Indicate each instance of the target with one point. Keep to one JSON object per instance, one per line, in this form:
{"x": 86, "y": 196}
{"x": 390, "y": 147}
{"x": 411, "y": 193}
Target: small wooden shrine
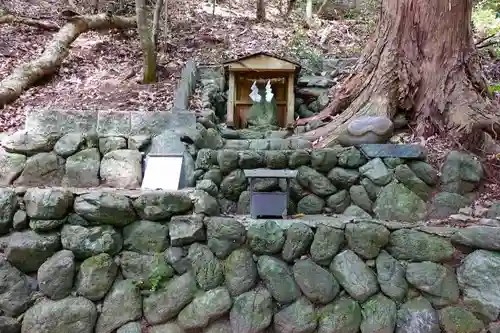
{"x": 261, "y": 69}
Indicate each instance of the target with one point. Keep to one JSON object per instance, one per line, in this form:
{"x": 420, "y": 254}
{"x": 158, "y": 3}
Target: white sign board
{"x": 162, "y": 172}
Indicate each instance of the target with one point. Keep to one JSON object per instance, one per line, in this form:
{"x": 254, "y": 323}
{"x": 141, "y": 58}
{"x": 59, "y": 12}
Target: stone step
{"x": 249, "y": 134}
{"x": 268, "y": 144}
{"x": 106, "y": 123}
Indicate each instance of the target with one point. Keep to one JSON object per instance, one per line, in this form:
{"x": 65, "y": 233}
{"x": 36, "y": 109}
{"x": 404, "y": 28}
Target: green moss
{"x": 319, "y": 315}
{"x": 370, "y": 306}
{"x": 459, "y": 320}
{"x": 98, "y": 261}
{"x": 150, "y": 244}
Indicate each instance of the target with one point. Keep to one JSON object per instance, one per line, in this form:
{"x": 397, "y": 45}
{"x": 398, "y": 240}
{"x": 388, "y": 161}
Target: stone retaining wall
{"x": 342, "y": 181}
{"x": 185, "y": 87}
{"x": 312, "y": 96}
{"x": 212, "y": 85}
{"x": 73, "y": 160}
{"x": 337, "y": 180}
{"x": 106, "y": 263}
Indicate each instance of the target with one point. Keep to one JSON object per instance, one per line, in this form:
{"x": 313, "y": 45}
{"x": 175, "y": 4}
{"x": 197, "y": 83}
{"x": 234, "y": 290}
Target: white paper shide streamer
{"x": 254, "y": 95}
{"x": 269, "y": 92}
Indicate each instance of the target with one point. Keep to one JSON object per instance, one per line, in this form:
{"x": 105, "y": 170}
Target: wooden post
{"x": 230, "y": 101}
{"x": 290, "y": 110}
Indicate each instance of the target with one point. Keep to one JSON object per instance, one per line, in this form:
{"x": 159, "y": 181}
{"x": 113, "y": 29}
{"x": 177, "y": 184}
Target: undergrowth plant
{"x": 495, "y": 89}
{"x": 486, "y": 17}
{"x": 309, "y": 57}
{"x": 160, "y": 274}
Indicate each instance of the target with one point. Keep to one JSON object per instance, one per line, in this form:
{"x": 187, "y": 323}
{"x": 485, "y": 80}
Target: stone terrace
{"x": 83, "y": 249}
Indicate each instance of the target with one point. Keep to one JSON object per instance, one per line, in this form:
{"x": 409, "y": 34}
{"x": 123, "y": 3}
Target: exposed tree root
{"x": 421, "y": 61}
{"x": 6, "y": 18}
{"x": 25, "y": 75}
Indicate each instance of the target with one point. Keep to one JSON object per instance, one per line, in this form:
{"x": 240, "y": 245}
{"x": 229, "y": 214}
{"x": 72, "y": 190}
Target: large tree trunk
{"x": 421, "y": 61}
{"x": 25, "y": 75}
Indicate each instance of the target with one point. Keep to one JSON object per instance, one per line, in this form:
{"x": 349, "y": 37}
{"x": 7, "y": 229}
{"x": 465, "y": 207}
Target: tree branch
{"x": 488, "y": 44}
{"x": 485, "y": 39}
{"x": 25, "y": 75}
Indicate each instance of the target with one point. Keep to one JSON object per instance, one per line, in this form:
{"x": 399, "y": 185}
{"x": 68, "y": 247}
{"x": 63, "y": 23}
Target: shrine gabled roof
{"x": 267, "y": 54}
{"x": 262, "y": 54}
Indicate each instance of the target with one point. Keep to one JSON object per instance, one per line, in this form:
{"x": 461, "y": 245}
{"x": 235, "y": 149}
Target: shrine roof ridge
{"x": 263, "y": 53}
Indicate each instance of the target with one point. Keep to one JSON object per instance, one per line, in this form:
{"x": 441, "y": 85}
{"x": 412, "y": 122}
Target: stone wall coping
{"x": 270, "y": 173}
{"x": 340, "y": 221}
{"x": 131, "y": 193}
{"x": 105, "y": 122}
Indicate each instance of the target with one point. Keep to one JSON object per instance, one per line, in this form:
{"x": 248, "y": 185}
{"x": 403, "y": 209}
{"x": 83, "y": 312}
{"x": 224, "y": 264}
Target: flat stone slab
{"x": 270, "y": 173}
{"x": 106, "y": 123}
{"x": 315, "y": 81}
{"x": 179, "y": 120}
{"x": 148, "y": 123}
{"x": 56, "y": 121}
{"x": 185, "y": 87}
{"x": 168, "y": 140}
{"x": 311, "y": 91}
{"x": 154, "y": 123}
{"x": 115, "y": 123}
{"x": 416, "y": 152}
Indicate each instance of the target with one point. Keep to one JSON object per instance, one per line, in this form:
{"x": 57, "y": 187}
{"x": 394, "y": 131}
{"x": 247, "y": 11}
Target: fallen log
{"x": 25, "y": 75}
{"x": 41, "y": 24}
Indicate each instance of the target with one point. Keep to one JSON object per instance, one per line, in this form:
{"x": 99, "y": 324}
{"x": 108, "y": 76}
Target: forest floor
{"x": 103, "y": 70}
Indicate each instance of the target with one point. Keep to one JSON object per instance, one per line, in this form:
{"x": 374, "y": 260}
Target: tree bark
{"x": 156, "y": 21}
{"x": 25, "y": 75}
{"x": 166, "y": 23}
{"x": 261, "y": 10}
{"x": 147, "y": 42}
{"x": 421, "y": 61}
{"x": 309, "y": 10}
{"x": 290, "y": 5}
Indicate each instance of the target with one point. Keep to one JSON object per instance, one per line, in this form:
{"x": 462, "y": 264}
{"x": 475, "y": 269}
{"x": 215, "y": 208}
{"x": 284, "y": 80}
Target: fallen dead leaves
{"x": 103, "y": 70}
